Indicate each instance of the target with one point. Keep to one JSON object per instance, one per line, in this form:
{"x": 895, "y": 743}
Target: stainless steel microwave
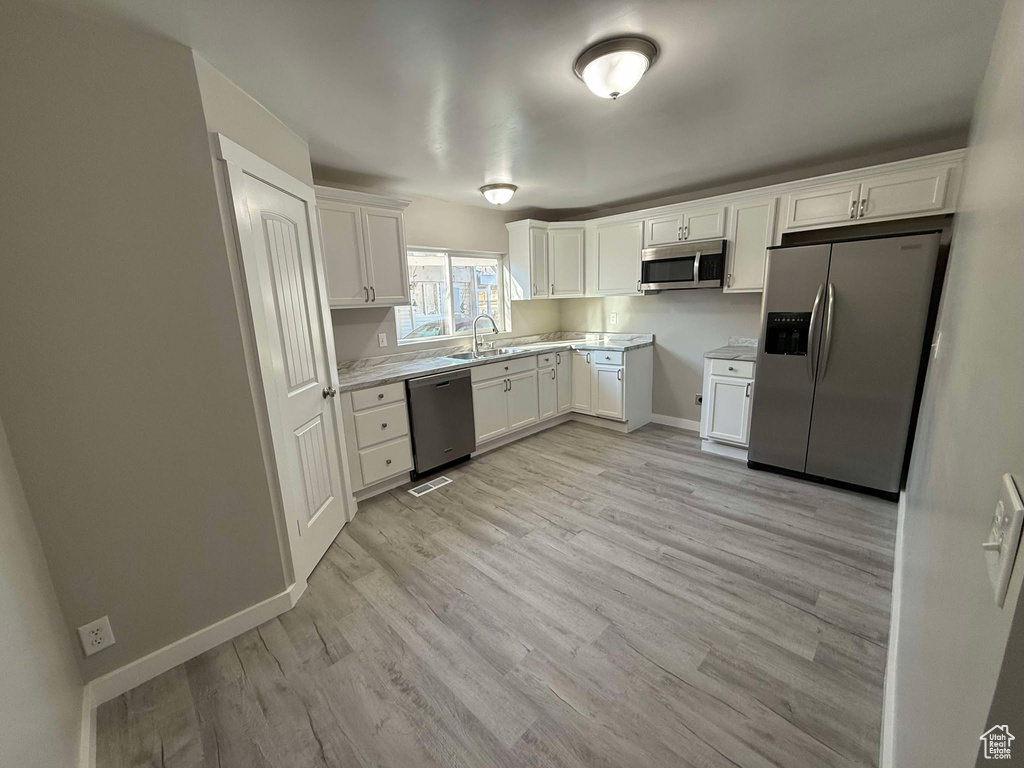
{"x": 697, "y": 264}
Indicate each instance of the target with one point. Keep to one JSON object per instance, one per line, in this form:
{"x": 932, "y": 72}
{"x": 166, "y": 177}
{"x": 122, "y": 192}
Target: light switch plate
{"x": 382, "y": 339}
{"x": 1004, "y": 537}
{"x": 614, "y": 319}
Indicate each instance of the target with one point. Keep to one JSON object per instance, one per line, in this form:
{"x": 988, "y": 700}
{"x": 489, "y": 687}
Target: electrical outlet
{"x": 382, "y": 339}
{"x": 698, "y": 399}
{"x": 614, "y": 318}
{"x": 96, "y": 635}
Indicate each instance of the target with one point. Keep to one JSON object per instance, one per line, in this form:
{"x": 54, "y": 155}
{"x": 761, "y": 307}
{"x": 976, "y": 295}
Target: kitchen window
{"x": 448, "y": 290}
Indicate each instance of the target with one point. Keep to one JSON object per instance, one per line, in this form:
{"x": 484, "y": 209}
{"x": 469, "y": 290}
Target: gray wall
{"x": 124, "y": 389}
{"x": 685, "y": 325}
{"x": 41, "y": 706}
{"x": 951, "y": 637}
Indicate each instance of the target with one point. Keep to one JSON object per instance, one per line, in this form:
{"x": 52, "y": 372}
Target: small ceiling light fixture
{"x": 614, "y": 67}
{"x": 498, "y": 194}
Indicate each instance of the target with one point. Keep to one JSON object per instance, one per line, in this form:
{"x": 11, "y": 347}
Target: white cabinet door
{"x": 900, "y": 194}
{"x": 751, "y": 228}
{"x": 664, "y": 229}
{"x": 341, "y": 235}
{"x": 582, "y": 397}
{"x": 729, "y": 409}
{"x": 565, "y": 257}
{"x": 618, "y": 257}
{"x": 563, "y": 370}
{"x": 387, "y": 261}
{"x": 704, "y": 224}
{"x": 608, "y": 391}
{"x": 547, "y": 392}
{"x": 539, "y": 263}
{"x": 521, "y": 400}
{"x": 822, "y": 205}
{"x": 489, "y": 410}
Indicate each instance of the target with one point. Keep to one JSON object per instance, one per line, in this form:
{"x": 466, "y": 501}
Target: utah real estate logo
{"x": 997, "y": 742}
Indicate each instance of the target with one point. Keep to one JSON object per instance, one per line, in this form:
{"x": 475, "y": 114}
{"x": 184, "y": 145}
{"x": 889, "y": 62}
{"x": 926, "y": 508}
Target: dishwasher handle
{"x": 438, "y": 379}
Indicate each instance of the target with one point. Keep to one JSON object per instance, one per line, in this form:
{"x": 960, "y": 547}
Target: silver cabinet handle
{"x": 366, "y": 294}
{"x": 373, "y": 294}
{"x": 552, "y": 374}
{"x": 679, "y": 236}
{"x": 812, "y": 333}
{"x": 618, "y": 374}
{"x": 329, "y": 392}
{"x": 552, "y": 293}
{"x": 863, "y": 207}
{"x": 384, "y": 425}
{"x": 728, "y": 280}
{"x": 686, "y": 232}
{"x": 829, "y": 313}
{"x": 749, "y": 383}
{"x": 853, "y": 208}
{"x": 638, "y": 286}
{"x": 558, "y": 358}
{"x": 588, "y": 357}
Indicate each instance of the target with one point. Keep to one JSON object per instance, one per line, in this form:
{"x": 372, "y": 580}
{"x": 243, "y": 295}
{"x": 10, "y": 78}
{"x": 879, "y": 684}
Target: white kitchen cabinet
{"x": 698, "y": 224}
{"x": 539, "y": 263}
{"x": 563, "y": 371}
{"x": 565, "y": 261}
{"x": 830, "y": 204}
{"x": 608, "y": 391}
{"x": 665, "y": 229}
{"x": 617, "y": 258}
{"x": 899, "y": 194}
{"x": 725, "y": 414}
{"x": 582, "y": 396}
{"x": 751, "y": 232}
{"x": 505, "y": 397}
{"x": 547, "y": 392}
{"x": 490, "y": 413}
{"x": 377, "y": 442}
{"x": 521, "y": 400}
{"x": 364, "y": 248}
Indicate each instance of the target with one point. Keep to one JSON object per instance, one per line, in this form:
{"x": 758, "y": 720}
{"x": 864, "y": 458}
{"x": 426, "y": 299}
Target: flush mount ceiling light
{"x": 498, "y": 194}
{"x": 614, "y": 67}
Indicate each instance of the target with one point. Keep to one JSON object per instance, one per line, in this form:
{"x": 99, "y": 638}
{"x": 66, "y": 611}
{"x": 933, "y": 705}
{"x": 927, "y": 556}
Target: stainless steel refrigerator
{"x": 843, "y": 331}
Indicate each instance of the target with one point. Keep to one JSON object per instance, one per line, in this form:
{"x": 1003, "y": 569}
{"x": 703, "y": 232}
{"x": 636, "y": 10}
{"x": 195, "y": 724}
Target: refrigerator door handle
{"x": 812, "y": 355}
{"x": 829, "y": 312}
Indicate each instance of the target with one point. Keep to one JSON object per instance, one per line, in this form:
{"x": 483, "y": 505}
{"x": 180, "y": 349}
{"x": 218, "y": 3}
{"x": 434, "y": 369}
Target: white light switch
{"x": 1004, "y": 537}
{"x": 614, "y": 318}
{"x": 382, "y": 339}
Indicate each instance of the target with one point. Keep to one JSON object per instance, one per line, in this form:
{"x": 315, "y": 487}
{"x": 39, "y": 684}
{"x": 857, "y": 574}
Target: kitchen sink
{"x": 484, "y": 353}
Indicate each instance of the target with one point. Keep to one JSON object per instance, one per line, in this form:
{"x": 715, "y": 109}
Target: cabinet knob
{"x": 387, "y": 461}
{"x": 380, "y": 396}
{"x": 506, "y": 367}
{"x": 731, "y": 368}
{"x": 384, "y": 425}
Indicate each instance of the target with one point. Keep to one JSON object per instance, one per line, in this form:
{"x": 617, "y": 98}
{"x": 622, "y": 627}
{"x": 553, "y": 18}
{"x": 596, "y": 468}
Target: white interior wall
{"x": 41, "y": 706}
{"x": 951, "y": 636}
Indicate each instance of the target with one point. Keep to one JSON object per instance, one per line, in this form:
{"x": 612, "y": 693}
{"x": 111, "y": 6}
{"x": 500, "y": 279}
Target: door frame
{"x": 237, "y": 162}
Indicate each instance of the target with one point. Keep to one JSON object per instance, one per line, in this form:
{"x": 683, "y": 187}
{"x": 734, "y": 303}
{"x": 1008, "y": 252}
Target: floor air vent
{"x": 433, "y": 485}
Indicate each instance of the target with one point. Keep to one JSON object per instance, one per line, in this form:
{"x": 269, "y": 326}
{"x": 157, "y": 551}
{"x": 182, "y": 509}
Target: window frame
{"x": 504, "y": 301}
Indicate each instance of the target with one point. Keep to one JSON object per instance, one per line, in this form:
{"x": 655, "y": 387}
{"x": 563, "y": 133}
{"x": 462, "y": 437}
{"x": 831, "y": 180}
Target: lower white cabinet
{"x": 608, "y": 391}
{"x": 563, "y": 371}
{"x": 521, "y": 400}
{"x": 582, "y": 396}
{"x": 490, "y": 412}
{"x": 725, "y": 416}
{"x": 547, "y": 392}
{"x": 505, "y": 398}
{"x": 377, "y": 446}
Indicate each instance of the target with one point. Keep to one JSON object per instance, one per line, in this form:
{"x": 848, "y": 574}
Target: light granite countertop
{"x": 738, "y": 348}
{"x": 377, "y": 371}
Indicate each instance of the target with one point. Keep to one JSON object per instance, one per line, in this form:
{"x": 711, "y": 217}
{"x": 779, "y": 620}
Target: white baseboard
{"x": 118, "y": 681}
{"x": 87, "y": 735}
{"x": 724, "y": 449}
{"x": 673, "y": 421}
{"x": 888, "y": 744}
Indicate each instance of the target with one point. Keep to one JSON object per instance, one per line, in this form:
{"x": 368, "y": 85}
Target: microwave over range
{"x": 696, "y": 264}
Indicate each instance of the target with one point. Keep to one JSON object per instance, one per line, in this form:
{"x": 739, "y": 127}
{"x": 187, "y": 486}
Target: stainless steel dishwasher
{"x": 441, "y": 415}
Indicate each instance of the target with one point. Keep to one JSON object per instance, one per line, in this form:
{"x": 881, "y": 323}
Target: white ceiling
{"x": 437, "y": 97}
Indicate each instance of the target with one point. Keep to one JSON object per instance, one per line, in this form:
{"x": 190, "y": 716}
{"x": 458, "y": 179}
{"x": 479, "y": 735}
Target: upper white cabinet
{"x": 617, "y": 258}
{"x": 877, "y": 196}
{"x": 704, "y": 223}
{"x": 751, "y": 231}
{"x": 364, "y": 248}
{"x": 546, "y": 261}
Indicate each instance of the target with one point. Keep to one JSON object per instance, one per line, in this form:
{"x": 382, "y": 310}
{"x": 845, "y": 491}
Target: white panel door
{"x": 618, "y": 257}
{"x": 565, "y": 255}
{"x": 563, "y": 370}
{"x": 704, "y": 224}
{"x": 547, "y": 392}
{"x": 489, "y": 411}
{"x": 608, "y": 391}
{"x": 386, "y": 257}
{"x": 582, "y": 395}
{"x": 341, "y": 232}
{"x": 729, "y": 409}
{"x": 664, "y": 229}
{"x": 822, "y": 205}
{"x": 539, "y": 263}
{"x": 899, "y": 194}
{"x": 287, "y": 290}
{"x": 523, "y": 408}
{"x": 751, "y": 229}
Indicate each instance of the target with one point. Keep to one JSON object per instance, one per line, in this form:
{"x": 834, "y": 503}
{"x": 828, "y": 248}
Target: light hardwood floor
{"x": 578, "y": 598}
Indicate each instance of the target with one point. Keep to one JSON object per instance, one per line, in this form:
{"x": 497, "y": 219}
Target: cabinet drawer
{"x": 546, "y": 360}
{"x": 743, "y": 369}
{"x": 503, "y": 368}
{"x": 368, "y": 398}
{"x": 379, "y": 424}
{"x": 606, "y": 357}
{"x": 385, "y": 460}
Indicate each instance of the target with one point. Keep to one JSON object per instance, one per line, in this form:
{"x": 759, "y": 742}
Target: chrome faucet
{"x": 476, "y": 343}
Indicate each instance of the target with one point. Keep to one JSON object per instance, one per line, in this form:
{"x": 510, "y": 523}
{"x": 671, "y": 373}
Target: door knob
{"x": 329, "y": 392}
